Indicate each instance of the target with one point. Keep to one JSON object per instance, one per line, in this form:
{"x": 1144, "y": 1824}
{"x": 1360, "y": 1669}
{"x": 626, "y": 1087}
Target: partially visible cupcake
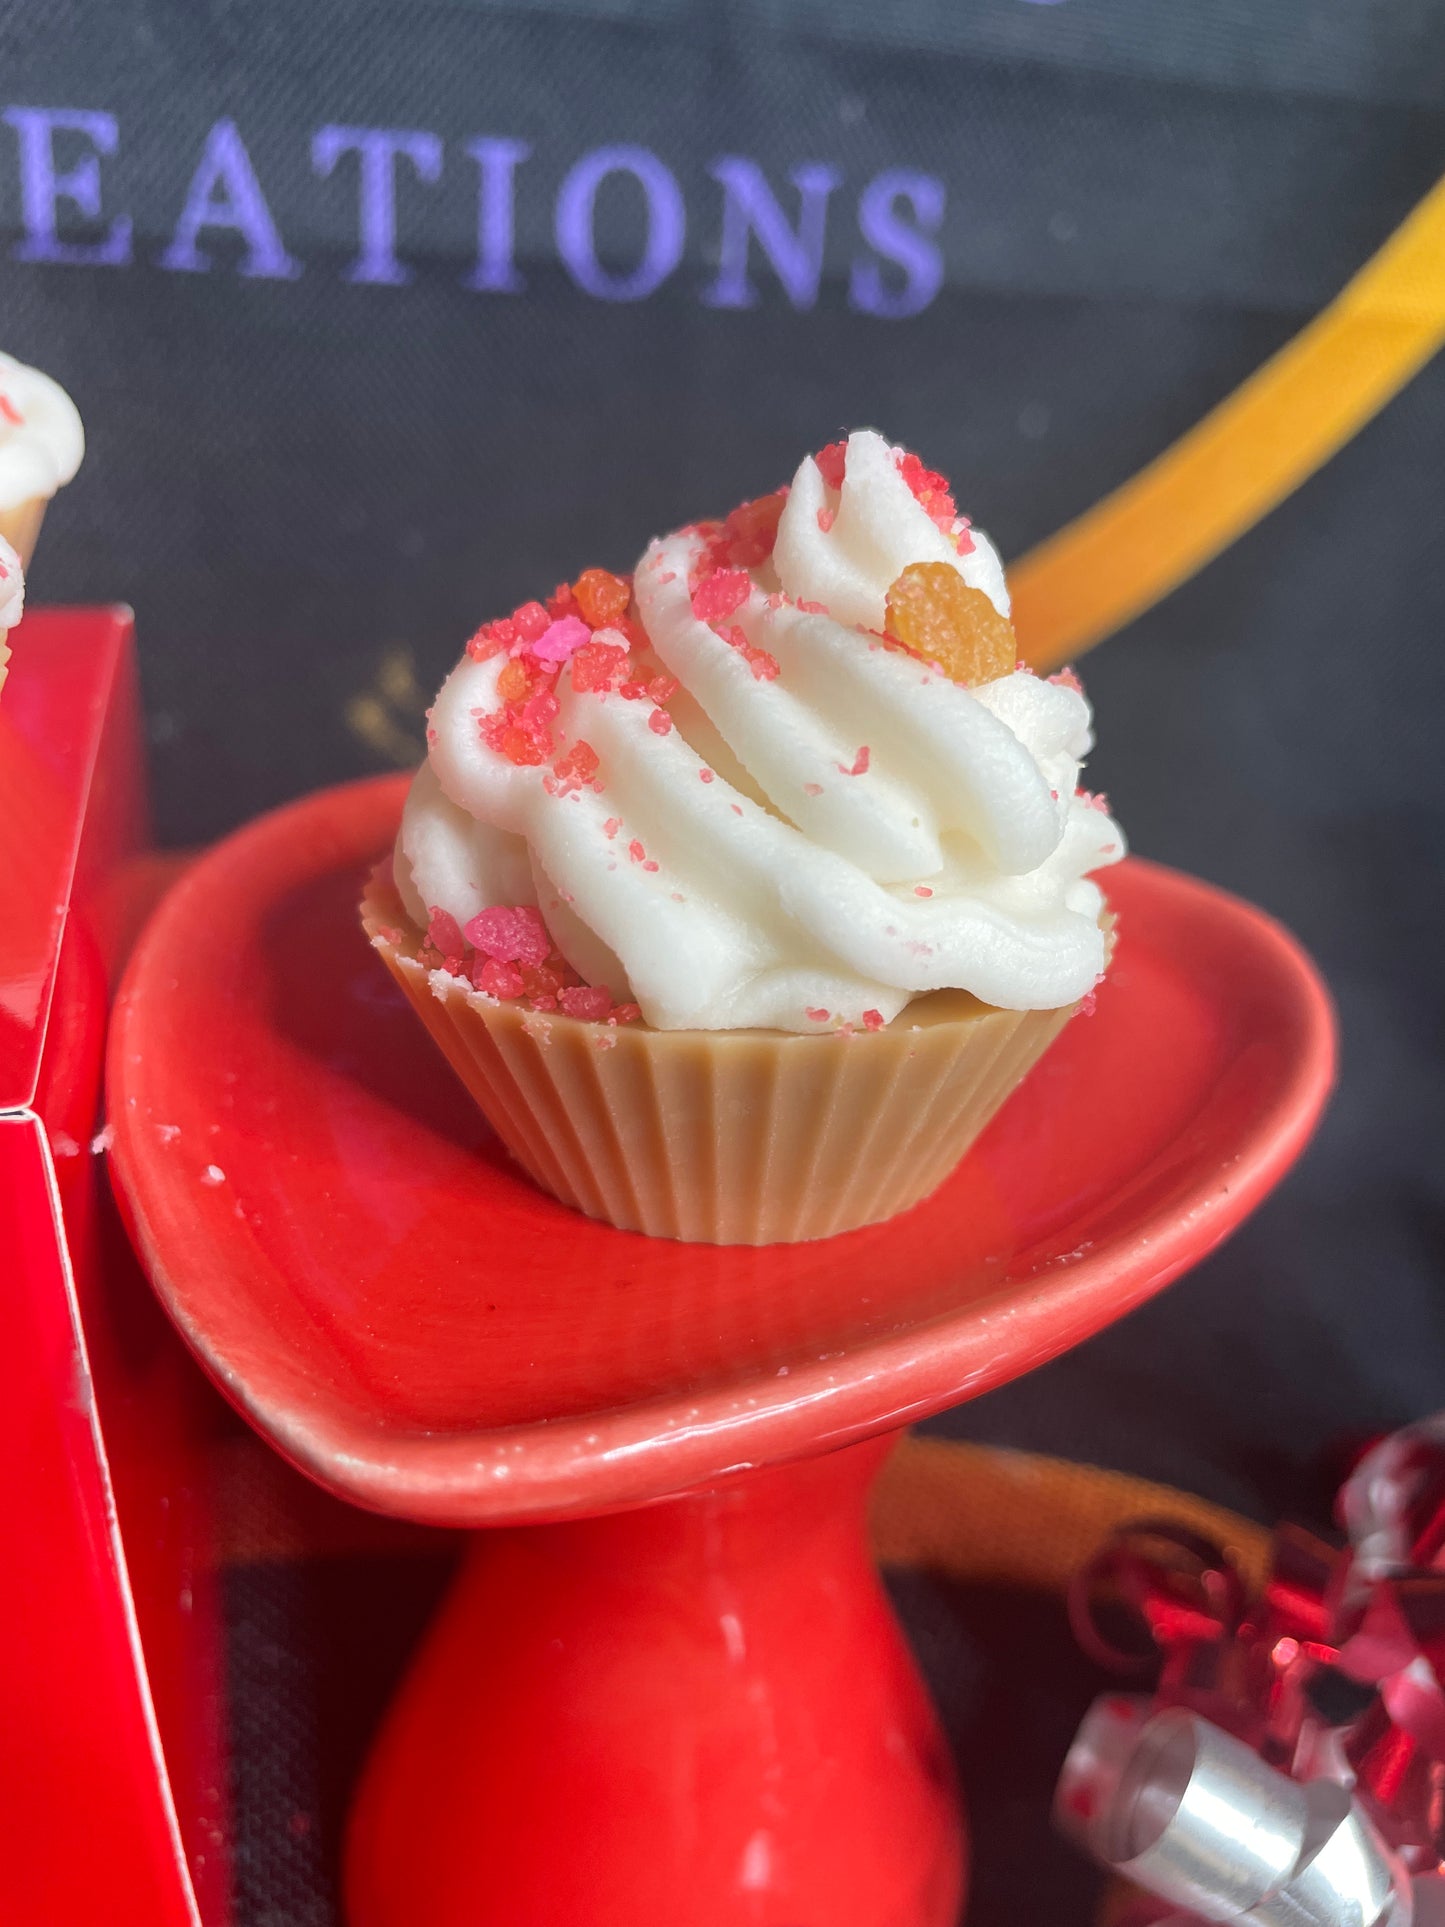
{"x": 742, "y": 892}
{"x": 12, "y": 601}
{"x": 41, "y": 445}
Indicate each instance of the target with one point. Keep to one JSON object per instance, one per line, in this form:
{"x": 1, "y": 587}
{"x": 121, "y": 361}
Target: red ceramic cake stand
{"x": 670, "y": 1693}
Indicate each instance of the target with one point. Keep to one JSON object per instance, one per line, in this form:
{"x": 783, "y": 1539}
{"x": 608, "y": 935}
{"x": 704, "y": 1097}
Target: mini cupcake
{"x": 741, "y": 893}
{"x": 41, "y": 445}
{"x": 12, "y": 601}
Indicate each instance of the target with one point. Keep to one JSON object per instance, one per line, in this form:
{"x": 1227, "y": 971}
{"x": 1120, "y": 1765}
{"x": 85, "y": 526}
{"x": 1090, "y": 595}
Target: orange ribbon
{"x": 1137, "y": 544}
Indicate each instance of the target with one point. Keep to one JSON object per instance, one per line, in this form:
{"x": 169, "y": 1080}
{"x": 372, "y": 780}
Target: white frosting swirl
{"x": 752, "y": 865}
{"x": 875, "y": 530}
{"x": 12, "y": 587}
{"x": 41, "y": 439}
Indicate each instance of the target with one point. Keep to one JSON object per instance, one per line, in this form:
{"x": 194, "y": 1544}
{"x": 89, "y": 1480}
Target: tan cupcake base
{"x": 20, "y": 526}
{"x": 724, "y": 1137}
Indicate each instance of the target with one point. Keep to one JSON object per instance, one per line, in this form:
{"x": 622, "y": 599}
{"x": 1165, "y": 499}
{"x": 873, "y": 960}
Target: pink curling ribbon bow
{"x": 1290, "y": 1767}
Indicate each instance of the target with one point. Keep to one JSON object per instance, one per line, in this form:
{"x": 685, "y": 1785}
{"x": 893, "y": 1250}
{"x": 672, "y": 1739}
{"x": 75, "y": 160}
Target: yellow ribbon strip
{"x": 1129, "y": 550}
{"x": 985, "y": 1516}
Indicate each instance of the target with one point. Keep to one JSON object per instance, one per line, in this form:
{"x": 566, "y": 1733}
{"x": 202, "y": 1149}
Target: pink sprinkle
{"x": 826, "y": 518}
{"x": 1093, "y": 801}
{"x": 816, "y": 1016}
{"x": 963, "y": 541}
{"x": 540, "y": 709}
{"x": 531, "y": 621}
{"x": 1088, "y": 1004}
{"x": 497, "y": 979}
{"x": 592, "y": 1002}
{"x": 445, "y": 933}
{"x": 636, "y": 851}
{"x": 612, "y": 826}
{"x": 667, "y": 575}
{"x": 650, "y": 865}
{"x": 812, "y": 789}
{"x": 720, "y": 593}
{"x": 811, "y": 608}
{"x": 737, "y": 809}
{"x": 860, "y": 763}
{"x": 705, "y": 775}
{"x": 11, "y": 413}
{"x": 922, "y": 890}
{"x": 1053, "y": 796}
{"x": 659, "y": 722}
{"x": 561, "y": 640}
{"x": 873, "y": 1020}
{"x": 1069, "y": 680}
{"x": 510, "y": 933}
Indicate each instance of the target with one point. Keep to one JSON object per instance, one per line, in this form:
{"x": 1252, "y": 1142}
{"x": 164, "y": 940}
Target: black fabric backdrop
{"x": 312, "y": 487}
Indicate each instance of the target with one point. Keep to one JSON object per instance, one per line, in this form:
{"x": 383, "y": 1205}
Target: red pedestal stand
{"x": 701, "y": 1710}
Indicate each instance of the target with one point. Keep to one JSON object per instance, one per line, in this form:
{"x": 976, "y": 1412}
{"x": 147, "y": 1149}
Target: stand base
{"x": 702, "y": 1712}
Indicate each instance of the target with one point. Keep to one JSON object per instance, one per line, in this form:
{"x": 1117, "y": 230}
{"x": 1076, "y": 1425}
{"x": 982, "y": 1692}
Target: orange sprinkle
{"x": 513, "y": 682}
{"x": 934, "y": 613}
{"x": 601, "y": 597}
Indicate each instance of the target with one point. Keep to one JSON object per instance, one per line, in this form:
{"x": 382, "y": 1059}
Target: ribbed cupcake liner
{"x": 20, "y": 526}
{"x": 724, "y": 1137}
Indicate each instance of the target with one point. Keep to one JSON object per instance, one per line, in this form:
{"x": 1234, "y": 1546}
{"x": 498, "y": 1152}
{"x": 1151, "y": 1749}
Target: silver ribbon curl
{"x": 1179, "y": 1807}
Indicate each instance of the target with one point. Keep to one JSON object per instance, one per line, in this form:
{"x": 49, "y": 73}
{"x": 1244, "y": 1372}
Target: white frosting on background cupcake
{"x": 814, "y": 826}
{"x": 41, "y": 438}
{"x": 12, "y": 587}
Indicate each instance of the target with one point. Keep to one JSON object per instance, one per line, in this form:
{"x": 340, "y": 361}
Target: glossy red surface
{"x": 78, "y": 1757}
{"x": 412, "y": 1322}
{"x": 69, "y": 807}
{"x": 87, "y": 1830}
{"x": 699, "y": 1712}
